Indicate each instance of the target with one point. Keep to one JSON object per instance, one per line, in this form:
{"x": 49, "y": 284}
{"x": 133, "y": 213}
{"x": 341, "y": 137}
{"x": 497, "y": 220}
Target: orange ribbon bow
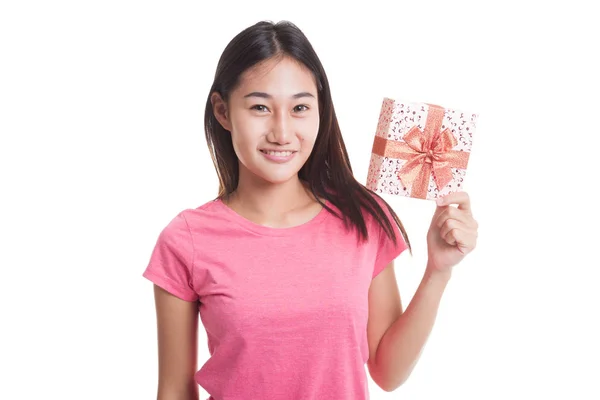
{"x": 425, "y": 151}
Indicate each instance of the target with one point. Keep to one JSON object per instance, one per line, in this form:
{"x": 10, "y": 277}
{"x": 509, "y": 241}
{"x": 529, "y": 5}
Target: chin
{"x": 275, "y": 175}
{"x": 271, "y": 172}
{"x": 277, "y": 179}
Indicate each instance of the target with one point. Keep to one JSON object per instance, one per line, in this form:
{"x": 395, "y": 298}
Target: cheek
{"x": 244, "y": 137}
{"x": 309, "y": 133}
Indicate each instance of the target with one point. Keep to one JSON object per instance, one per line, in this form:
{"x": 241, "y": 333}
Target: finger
{"x": 463, "y": 240}
{"x": 447, "y": 226}
{"x": 443, "y": 216}
{"x": 451, "y": 224}
{"x": 461, "y": 198}
{"x": 438, "y": 210}
{"x": 454, "y": 213}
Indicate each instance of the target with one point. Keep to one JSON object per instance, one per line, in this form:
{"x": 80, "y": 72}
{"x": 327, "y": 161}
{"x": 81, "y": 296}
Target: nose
{"x": 280, "y": 129}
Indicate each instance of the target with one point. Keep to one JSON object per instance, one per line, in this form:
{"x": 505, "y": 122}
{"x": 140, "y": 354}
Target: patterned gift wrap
{"x": 420, "y": 150}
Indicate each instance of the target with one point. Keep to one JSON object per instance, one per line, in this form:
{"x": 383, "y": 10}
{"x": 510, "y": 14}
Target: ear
{"x": 220, "y": 110}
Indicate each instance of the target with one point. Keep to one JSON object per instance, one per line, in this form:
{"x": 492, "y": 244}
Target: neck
{"x": 258, "y": 197}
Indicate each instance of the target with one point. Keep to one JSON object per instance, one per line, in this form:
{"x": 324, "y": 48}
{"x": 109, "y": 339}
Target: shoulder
{"x": 372, "y": 209}
{"x": 386, "y": 224}
{"x": 184, "y": 230}
{"x": 375, "y": 221}
{"x": 205, "y": 214}
{"x": 184, "y": 222}
{"x": 379, "y": 199}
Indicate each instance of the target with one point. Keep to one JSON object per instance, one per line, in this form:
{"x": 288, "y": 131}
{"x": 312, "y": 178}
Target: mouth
{"x": 278, "y": 156}
{"x": 273, "y": 153}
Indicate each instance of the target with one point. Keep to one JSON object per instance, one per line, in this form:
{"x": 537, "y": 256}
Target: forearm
{"x": 190, "y": 392}
{"x": 402, "y": 344}
{"x": 178, "y": 396}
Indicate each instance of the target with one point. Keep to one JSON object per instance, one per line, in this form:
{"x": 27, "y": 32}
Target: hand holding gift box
{"x": 420, "y": 150}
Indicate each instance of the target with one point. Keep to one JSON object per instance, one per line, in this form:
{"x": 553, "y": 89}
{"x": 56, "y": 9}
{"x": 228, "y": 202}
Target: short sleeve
{"x": 387, "y": 251}
{"x": 170, "y": 265}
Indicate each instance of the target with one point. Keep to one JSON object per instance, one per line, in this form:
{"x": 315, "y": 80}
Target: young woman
{"x": 291, "y": 267}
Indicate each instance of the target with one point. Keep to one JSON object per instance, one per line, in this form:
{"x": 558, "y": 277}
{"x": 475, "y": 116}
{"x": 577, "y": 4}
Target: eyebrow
{"x": 268, "y": 96}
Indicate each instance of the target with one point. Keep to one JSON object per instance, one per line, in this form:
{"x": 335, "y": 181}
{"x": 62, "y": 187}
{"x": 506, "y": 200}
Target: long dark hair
{"x": 327, "y": 171}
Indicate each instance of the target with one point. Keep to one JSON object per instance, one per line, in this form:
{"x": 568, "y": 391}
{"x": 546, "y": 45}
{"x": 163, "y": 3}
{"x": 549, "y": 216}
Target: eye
{"x": 258, "y": 105}
{"x": 302, "y": 105}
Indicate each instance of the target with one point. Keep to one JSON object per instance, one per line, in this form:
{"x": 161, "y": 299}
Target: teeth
{"x": 279, "y": 153}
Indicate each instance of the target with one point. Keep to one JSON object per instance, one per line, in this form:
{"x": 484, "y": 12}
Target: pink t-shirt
{"x": 285, "y": 310}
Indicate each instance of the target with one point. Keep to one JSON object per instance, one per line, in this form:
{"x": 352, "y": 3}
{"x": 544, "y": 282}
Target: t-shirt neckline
{"x": 271, "y": 231}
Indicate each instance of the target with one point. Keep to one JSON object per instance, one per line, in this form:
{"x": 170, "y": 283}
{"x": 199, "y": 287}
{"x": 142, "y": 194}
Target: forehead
{"x": 283, "y": 76}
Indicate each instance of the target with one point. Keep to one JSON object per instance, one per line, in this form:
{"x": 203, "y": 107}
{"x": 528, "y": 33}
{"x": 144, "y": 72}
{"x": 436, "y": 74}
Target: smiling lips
{"x": 278, "y": 156}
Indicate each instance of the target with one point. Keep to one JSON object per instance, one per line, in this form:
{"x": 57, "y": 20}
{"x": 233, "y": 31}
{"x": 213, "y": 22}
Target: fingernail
{"x": 440, "y": 201}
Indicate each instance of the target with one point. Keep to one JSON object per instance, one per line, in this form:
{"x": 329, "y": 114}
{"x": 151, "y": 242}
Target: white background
{"x": 101, "y": 117}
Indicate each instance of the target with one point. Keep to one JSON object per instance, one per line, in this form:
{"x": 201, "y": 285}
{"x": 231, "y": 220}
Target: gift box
{"x": 420, "y": 150}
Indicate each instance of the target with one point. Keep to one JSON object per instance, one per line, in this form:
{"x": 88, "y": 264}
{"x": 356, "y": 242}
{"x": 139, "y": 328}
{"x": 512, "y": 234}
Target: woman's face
{"x": 273, "y": 118}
